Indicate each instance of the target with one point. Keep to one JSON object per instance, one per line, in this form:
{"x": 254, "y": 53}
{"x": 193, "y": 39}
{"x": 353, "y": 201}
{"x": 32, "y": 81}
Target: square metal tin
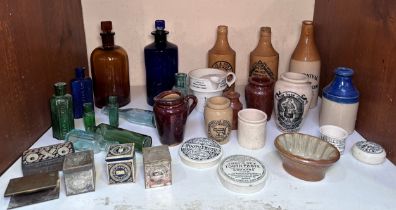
{"x": 157, "y": 166}
{"x": 121, "y": 163}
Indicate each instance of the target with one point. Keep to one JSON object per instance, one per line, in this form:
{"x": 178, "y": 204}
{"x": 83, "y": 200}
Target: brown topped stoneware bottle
{"x": 171, "y": 109}
{"x": 110, "y": 70}
{"x": 236, "y": 106}
{"x": 305, "y": 59}
{"x": 264, "y": 59}
{"x": 222, "y": 56}
{"x": 259, "y": 94}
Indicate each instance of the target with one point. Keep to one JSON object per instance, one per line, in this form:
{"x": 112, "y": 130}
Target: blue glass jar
{"x": 340, "y": 101}
{"x": 81, "y": 88}
{"x": 161, "y": 60}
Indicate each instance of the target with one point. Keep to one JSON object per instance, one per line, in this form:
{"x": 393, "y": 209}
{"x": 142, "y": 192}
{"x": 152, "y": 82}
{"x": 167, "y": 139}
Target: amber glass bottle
{"x": 110, "y": 70}
{"x": 264, "y": 59}
{"x": 222, "y": 56}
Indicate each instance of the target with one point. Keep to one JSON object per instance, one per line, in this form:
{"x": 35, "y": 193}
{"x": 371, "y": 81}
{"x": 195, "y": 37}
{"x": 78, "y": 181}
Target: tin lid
{"x": 157, "y": 153}
{"x": 78, "y": 161}
{"x": 369, "y": 152}
{"x": 200, "y": 152}
{"x": 32, "y": 183}
{"x": 47, "y": 153}
{"x": 118, "y": 152}
{"x": 242, "y": 174}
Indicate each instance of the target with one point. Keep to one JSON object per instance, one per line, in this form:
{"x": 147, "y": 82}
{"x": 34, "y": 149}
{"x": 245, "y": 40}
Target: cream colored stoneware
{"x": 202, "y": 96}
{"x": 218, "y": 119}
{"x": 335, "y": 136}
{"x": 292, "y": 96}
{"x": 341, "y": 115}
{"x": 252, "y": 128}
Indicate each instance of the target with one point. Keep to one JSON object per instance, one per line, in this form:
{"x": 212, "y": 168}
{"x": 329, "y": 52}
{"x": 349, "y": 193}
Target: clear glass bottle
{"x": 222, "y": 56}
{"x": 181, "y": 83}
{"x": 135, "y": 116}
{"x": 264, "y": 59}
{"x": 61, "y": 111}
{"x": 110, "y": 70}
{"x": 161, "y": 61}
{"x": 122, "y": 136}
{"x": 113, "y": 111}
{"x": 81, "y": 89}
{"x": 83, "y": 140}
{"x": 89, "y": 117}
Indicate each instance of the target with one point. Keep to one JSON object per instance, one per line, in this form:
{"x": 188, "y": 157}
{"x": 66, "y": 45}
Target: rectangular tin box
{"x": 45, "y": 159}
{"x": 32, "y": 189}
{"x": 121, "y": 163}
{"x": 157, "y": 166}
{"x": 79, "y": 172}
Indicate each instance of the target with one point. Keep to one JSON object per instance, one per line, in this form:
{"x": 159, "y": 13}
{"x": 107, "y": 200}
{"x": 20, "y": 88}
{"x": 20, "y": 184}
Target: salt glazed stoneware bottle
{"x": 292, "y": 96}
{"x": 171, "y": 109}
{"x": 236, "y": 106}
{"x": 264, "y": 59}
{"x": 340, "y": 101}
{"x": 259, "y": 94}
{"x": 161, "y": 62}
{"x": 110, "y": 69}
{"x": 218, "y": 119}
{"x": 305, "y": 58}
{"x": 222, "y": 56}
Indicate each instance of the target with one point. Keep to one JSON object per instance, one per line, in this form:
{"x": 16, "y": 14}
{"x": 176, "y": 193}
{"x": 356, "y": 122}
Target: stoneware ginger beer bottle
{"x": 264, "y": 59}
{"x": 222, "y": 56}
{"x": 305, "y": 59}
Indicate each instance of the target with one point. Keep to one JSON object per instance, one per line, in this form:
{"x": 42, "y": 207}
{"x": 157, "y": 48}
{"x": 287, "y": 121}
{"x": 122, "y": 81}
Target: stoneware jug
{"x": 259, "y": 94}
{"x": 171, "y": 109}
{"x": 218, "y": 119}
{"x": 292, "y": 97}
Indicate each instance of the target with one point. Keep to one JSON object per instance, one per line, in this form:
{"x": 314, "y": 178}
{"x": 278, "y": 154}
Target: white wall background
{"x": 192, "y": 25}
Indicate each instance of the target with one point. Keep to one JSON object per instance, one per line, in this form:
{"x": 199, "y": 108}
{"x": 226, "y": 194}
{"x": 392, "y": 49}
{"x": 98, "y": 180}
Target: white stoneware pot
{"x": 208, "y": 79}
{"x": 292, "y": 97}
{"x": 252, "y": 128}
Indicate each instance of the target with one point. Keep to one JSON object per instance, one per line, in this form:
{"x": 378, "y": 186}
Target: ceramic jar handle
{"x": 193, "y": 104}
{"x": 232, "y": 81}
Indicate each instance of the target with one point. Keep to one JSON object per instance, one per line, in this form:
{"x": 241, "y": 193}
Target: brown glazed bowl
{"x": 306, "y": 157}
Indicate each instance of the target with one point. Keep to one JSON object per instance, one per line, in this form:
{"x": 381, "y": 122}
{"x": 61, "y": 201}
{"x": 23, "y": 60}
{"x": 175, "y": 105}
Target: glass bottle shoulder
{"x": 116, "y": 51}
{"x": 162, "y": 46}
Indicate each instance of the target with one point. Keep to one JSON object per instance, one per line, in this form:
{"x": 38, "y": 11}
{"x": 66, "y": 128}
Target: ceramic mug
{"x": 252, "y": 128}
{"x": 334, "y": 135}
{"x": 203, "y": 96}
{"x": 209, "y": 79}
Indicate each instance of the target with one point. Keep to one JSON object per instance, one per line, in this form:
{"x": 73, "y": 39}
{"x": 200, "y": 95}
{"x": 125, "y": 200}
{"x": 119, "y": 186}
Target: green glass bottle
{"x": 181, "y": 83}
{"x": 61, "y": 111}
{"x": 123, "y": 136}
{"x": 113, "y": 111}
{"x": 89, "y": 117}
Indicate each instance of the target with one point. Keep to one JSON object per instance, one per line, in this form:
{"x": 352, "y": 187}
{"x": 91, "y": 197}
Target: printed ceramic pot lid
{"x": 200, "y": 152}
{"x": 369, "y": 152}
{"x": 242, "y": 174}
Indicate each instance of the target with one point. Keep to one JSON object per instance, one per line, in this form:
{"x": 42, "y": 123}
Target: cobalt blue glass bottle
{"x": 81, "y": 88}
{"x": 161, "y": 60}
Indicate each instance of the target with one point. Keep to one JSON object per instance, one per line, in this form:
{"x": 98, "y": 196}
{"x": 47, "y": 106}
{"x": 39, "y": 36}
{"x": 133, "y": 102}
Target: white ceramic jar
{"x": 251, "y": 128}
{"x": 292, "y": 97}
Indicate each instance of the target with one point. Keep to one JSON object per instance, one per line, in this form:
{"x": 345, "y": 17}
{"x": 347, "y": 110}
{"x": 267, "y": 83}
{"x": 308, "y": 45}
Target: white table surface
{"x": 349, "y": 184}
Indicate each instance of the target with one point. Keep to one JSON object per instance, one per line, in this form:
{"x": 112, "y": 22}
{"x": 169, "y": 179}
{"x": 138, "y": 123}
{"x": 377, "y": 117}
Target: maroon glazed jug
{"x": 236, "y": 106}
{"x": 259, "y": 94}
{"x": 171, "y": 109}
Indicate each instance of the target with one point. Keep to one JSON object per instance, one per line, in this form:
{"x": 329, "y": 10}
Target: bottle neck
{"x": 107, "y": 40}
{"x": 307, "y": 33}
{"x": 181, "y": 79}
{"x": 160, "y": 36}
{"x": 222, "y": 40}
{"x": 60, "y": 88}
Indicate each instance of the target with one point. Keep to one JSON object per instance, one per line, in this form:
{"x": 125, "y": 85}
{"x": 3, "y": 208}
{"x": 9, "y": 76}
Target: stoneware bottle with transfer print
{"x": 264, "y": 59}
{"x": 305, "y": 59}
{"x": 222, "y": 56}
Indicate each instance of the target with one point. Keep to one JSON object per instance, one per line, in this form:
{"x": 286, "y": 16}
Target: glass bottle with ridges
{"x": 113, "y": 111}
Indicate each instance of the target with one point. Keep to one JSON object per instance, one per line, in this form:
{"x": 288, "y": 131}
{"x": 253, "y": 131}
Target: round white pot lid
{"x": 369, "y": 152}
{"x": 242, "y": 174}
{"x": 200, "y": 152}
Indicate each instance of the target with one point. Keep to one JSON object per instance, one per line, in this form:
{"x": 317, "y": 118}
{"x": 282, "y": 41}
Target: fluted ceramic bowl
{"x": 306, "y": 157}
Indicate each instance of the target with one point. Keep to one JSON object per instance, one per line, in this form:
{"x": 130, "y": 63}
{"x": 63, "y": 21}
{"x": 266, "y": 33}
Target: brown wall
{"x": 41, "y": 42}
{"x": 361, "y": 34}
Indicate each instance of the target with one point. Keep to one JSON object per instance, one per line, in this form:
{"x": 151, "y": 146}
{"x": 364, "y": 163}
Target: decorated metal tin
{"x": 200, "y": 152}
{"x": 369, "y": 152}
{"x": 45, "y": 159}
{"x": 121, "y": 163}
{"x": 157, "y": 166}
{"x": 79, "y": 172}
{"x": 33, "y": 189}
{"x": 242, "y": 174}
